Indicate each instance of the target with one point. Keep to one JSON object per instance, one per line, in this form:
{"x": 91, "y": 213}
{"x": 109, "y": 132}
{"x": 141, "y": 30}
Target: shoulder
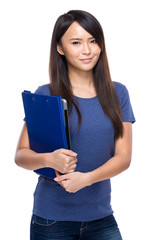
{"x": 125, "y": 103}
{"x": 44, "y": 89}
{"x": 122, "y": 93}
{"x": 119, "y": 87}
{"x": 121, "y": 90}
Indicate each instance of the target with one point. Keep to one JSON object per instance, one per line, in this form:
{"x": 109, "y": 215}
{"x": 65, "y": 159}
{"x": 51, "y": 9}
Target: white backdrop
{"x": 135, "y": 40}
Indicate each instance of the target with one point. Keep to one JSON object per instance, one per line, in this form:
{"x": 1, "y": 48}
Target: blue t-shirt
{"x": 94, "y": 144}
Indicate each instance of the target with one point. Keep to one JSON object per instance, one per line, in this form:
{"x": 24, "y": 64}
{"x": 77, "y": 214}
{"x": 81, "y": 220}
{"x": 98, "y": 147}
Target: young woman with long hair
{"x": 77, "y": 204}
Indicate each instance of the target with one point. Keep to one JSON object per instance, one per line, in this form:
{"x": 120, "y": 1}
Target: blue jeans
{"x": 101, "y": 229}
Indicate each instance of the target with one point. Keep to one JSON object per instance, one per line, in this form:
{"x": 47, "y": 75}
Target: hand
{"x": 62, "y": 160}
{"x": 73, "y": 182}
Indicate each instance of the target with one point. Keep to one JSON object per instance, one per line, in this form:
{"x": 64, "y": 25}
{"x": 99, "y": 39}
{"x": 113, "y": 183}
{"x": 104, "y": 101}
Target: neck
{"x": 82, "y": 84}
{"x": 81, "y": 79}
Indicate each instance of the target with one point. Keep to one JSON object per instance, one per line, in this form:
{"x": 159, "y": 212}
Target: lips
{"x": 86, "y": 60}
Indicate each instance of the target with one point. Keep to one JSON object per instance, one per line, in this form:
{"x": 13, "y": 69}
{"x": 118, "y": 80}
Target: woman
{"x": 76, "y": 205}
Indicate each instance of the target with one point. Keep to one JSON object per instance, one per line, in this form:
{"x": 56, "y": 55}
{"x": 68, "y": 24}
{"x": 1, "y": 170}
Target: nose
{"x": 86, "y": 49}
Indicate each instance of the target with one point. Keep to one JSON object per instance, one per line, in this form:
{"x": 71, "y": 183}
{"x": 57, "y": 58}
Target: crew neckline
{"x": 91, "y": 98}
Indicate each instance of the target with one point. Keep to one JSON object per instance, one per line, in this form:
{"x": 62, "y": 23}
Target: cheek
{"x": 70, "y": 54}
{"x": 97, "y": 52}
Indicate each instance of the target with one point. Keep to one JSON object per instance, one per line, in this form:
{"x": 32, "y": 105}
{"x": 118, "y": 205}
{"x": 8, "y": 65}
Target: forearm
{"x": 114, "y": 166}
{"x": 111, "y": 168}
{"x": 62, "y": 160}
{"x": 28, "y": 159}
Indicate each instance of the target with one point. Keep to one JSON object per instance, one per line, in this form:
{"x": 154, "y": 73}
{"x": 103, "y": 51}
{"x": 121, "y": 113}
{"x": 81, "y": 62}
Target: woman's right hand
{"x": 62, "y": 160}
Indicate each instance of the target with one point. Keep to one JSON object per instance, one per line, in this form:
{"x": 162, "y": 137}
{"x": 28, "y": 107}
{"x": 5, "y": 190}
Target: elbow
{"x": 127, "y": 162}
{"x": 17, "y": 158}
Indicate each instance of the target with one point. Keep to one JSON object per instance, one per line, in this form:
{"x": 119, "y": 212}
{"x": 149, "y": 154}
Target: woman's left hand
{"x": 73, "y": 182}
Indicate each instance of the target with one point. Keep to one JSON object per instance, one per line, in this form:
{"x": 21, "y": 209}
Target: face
{"x": 79, "y": 48}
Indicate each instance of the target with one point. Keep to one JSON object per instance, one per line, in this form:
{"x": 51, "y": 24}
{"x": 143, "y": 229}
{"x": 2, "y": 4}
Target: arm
{"x": 121, "y": 160}
{"x": 62, "y": 160}
{"x": 114, "y": 166}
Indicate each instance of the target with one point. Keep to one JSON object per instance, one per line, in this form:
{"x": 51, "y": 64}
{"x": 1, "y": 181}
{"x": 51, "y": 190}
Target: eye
{"x": 75, "y": 43}
{"x": 94, "y": 41}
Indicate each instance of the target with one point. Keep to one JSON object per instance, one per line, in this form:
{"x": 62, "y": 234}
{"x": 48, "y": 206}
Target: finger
{"x": 71, "y": 171}
{"x": 62, "y": 178}
{"x": 69, "y": 152}
{"x": 72, "y": 163}
{"x": 62, "y": 184}
{"x": 72, "y": 167}
{"x": 57, "y": 173}
{"x": 73, "y": 160}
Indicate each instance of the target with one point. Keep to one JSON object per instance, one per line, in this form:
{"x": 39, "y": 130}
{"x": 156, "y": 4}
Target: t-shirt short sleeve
{"x": 43, "y": 90}
{"x": 125, "y": 103}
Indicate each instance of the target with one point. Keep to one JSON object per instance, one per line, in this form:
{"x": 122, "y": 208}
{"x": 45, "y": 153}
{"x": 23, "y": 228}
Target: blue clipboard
{"x": 47, "y": 124}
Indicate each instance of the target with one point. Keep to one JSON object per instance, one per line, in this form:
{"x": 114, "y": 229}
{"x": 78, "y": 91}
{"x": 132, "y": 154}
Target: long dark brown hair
{"x": 59, "y": 81}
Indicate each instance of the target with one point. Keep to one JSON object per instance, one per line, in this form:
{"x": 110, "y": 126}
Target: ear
{"x": 59, "y": 49}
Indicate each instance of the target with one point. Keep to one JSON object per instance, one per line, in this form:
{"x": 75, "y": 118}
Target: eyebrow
{"x": 80, "y": 38}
